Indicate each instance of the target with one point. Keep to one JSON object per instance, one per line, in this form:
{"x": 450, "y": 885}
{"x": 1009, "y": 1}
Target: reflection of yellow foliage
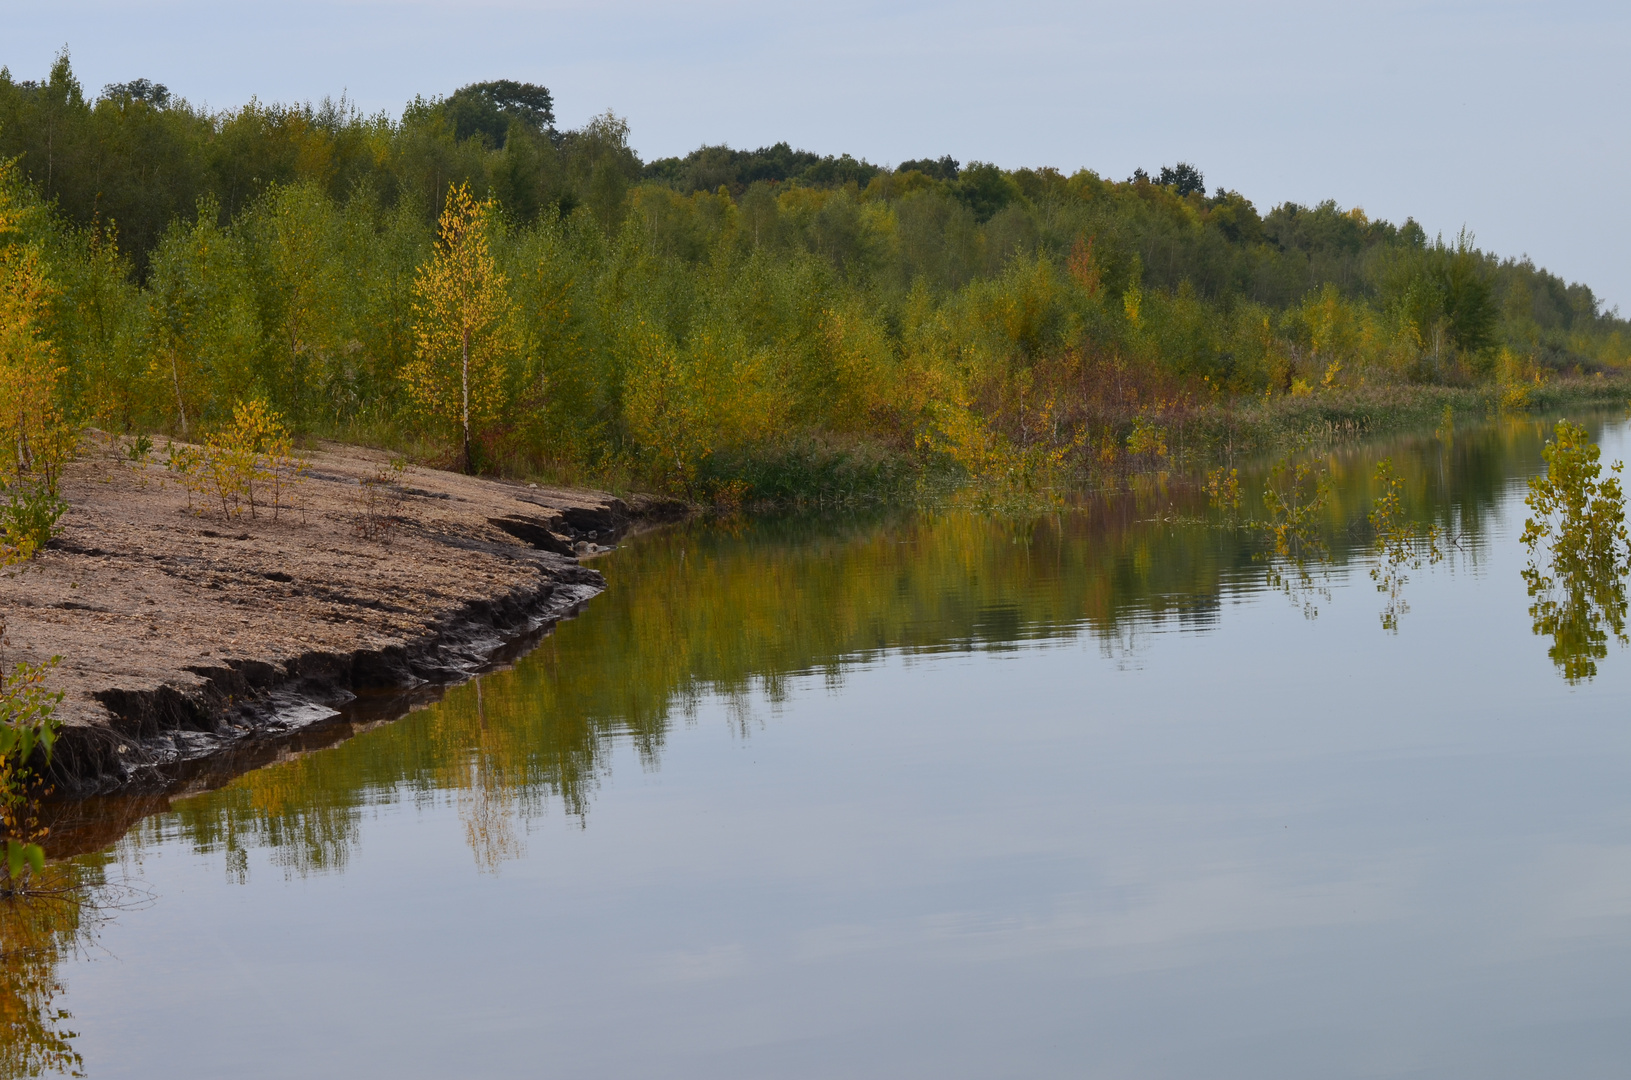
{"x": 740, "y": 613}
{"x": 1399, "y": 543}
{"x": 696, "y": 612}
{"x": 1296, "y": 496}
{"x": 37, "y": 933}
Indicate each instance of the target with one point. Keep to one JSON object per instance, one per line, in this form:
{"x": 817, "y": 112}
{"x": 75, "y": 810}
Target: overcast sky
{"x": 1506, "y": 117}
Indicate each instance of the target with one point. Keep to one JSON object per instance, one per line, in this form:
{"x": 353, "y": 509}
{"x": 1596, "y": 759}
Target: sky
{"x": 1506, "y": 118}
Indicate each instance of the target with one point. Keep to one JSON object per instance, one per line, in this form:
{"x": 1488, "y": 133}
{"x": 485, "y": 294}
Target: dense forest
{"x": 472, "y": 284}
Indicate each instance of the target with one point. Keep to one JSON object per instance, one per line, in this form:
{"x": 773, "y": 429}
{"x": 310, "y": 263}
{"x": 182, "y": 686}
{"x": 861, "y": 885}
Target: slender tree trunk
{"x": 294, "y": 355}
{"x": 464, "y": 378}
{"x": 181, "y": 408}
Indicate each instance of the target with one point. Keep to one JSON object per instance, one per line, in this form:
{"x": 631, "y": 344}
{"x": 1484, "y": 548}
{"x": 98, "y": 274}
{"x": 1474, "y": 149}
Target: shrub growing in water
{"x": 1579, "y": 552}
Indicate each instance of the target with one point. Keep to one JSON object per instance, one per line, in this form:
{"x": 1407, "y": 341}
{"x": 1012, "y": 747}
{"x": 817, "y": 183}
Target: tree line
{"x": 732, "y": 323}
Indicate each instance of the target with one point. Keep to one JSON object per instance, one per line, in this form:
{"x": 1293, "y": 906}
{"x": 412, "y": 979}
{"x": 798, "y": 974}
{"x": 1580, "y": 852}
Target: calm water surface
{"x": 941, "y": 795}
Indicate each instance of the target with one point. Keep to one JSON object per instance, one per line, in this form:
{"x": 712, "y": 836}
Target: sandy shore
{"x": 186, "y": 634}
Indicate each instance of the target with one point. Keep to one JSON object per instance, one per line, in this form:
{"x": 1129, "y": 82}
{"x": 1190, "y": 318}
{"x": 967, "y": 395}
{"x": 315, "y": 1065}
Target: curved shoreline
{"x": 186, "y": 636}
{"x": 155, "y": 730}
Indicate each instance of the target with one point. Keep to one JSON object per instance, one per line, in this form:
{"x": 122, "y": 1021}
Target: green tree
{"x": 294, "y": 241}
{"x": 1469, "y": 303}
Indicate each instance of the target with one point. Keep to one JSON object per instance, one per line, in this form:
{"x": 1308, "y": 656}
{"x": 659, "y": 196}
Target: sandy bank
{"x": 187, "y": 635}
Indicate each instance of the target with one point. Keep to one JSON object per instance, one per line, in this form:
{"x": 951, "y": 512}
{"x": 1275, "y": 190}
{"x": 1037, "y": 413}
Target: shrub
{"x": 256, "y": 448}
{"x": 1579, "y": 552}
{"x": 29, "y": 518}
{"x": 377, "y": 502}
{"x": 27, "y": 724}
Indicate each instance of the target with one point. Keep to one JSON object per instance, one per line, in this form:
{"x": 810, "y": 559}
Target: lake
{"x": 948, "y": 793}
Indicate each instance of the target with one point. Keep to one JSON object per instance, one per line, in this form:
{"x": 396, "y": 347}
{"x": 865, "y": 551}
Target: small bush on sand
{"x": 248, "y": 465}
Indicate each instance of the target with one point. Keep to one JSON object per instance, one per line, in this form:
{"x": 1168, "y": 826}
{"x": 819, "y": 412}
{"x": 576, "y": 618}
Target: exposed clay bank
{"x": 187, "y": 635}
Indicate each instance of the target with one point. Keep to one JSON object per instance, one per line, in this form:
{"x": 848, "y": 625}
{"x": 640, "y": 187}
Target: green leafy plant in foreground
{"x": 1579, "y": 552}
{"x": 27, "y": 725}
{"x": 29, "y": 518}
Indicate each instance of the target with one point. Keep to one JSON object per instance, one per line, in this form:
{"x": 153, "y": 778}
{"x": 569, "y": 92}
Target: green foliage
{"x": 30, "y": 516}
{"x": 1579, "y": 553}
{"x": 27, "y": 726}
{"x": 1183, "y": 178}
{"x": 489, "y": 108}
{"x": 711, "y": 167}
{"x": 702, "y": 322}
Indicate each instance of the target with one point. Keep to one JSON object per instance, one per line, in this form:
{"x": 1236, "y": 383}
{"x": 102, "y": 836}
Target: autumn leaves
{"x": 464, "y": 326}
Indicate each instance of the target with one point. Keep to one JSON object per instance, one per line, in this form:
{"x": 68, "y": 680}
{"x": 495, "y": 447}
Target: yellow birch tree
{"x": 464, "y": 329}
{"x": 29, "y": 370}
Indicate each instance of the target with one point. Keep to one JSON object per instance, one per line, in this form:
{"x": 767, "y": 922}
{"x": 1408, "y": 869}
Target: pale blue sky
{"x": 1503, "y": 116}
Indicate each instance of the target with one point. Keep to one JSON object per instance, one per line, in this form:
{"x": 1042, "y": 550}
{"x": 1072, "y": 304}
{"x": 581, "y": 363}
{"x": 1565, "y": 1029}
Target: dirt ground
{"x": 183, "y": 630}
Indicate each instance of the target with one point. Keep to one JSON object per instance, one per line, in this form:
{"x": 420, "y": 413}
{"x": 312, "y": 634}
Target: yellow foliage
{"x": 739, "y": 393}
{"x": 858, "y": 361}
{"x": 1132, "y": 303}
{"x": 35, "y": 436}
{"x": 665, "y": 417}
{"x": 1084, "y": 267}
{"x": 1223, "y": 489}
{"x": 255, "y": 448}
{"x": 1147, "y": 438}
{"x": 1516, "y": 379}
{"x": 1008, "y": 468}
{"x": 464, "y": 331}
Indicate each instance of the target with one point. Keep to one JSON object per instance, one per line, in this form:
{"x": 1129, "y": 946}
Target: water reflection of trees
{"x": 702, "y": 613}
{"x": 40, "y": 929}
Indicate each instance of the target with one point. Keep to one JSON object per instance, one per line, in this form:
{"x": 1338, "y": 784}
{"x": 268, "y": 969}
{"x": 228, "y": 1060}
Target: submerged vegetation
{"x": 469, "y": 283}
